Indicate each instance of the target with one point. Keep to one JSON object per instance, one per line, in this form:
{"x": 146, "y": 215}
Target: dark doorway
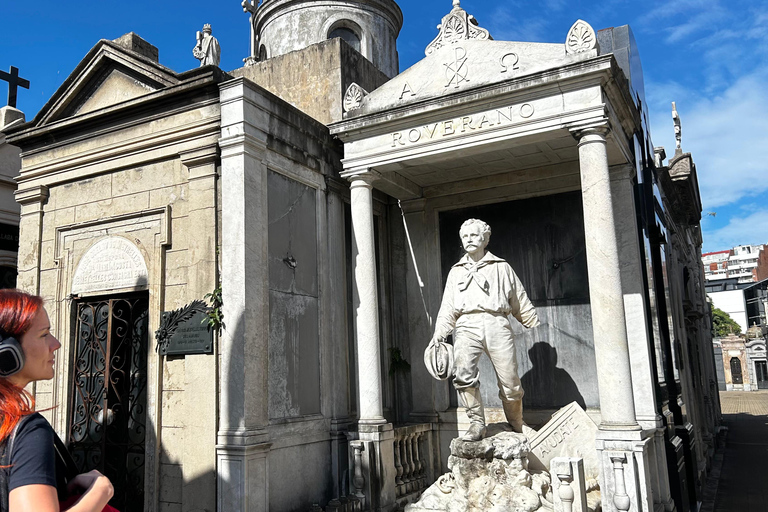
{"x": 7, "y": 276}
{"x": 736, "y": 376}
{"x": 761, "y": 369}
{"x": 109, "y": 393}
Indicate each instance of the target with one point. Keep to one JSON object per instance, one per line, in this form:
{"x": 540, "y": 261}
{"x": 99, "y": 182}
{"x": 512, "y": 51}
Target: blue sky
{"x": 709, "y": 56}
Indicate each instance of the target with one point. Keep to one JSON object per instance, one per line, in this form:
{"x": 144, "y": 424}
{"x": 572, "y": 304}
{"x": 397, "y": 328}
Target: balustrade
{"x": 410, "y": 445}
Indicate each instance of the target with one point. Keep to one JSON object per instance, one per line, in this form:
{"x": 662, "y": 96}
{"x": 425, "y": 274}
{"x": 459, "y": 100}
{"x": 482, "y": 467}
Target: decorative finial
{"x": 353, "y": 98}
{"x": 457, "y": 26}
{"x": 581, "y": 38}
{"x": 678, "y": 128}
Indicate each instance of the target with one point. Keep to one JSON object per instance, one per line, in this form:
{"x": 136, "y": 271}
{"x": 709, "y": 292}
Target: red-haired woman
{"x": 27, "y": 350}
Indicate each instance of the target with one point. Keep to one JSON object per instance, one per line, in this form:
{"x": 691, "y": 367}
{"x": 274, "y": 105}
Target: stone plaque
{"x": 111, "y": 263}
{"x": 570, "y": 433}
{"x": 185, "y": 331}
{"x": 191, "y": 337}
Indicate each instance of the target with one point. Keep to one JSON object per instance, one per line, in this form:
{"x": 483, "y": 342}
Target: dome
{"x": 369, "y": 26}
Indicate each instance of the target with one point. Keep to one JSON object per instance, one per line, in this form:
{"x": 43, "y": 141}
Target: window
{"x": 348, "y": 35}
{"x": 262, "y": 53}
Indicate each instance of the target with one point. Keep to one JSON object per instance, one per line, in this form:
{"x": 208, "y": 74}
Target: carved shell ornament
{"x": 457, "y": 26}
{"x": 581, "y": 38}
{"x": 353, "y": 98}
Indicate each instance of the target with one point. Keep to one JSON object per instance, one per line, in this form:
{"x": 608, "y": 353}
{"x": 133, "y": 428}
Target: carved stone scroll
{"x": 353, "y": 98}
{"x": 457, "y": 26}
{"x": 581, "y": 38}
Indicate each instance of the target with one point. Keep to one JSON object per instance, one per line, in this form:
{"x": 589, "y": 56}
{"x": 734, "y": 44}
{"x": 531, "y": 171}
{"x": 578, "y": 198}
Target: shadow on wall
{"x": 545, "y": 383}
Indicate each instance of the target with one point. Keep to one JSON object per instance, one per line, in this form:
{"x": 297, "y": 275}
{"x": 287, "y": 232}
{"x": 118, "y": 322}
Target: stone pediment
{"x": 464, "y": 56}
{"x": 108, "y": 75}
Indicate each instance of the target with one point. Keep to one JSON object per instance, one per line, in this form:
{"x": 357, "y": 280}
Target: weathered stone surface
{"x": 111, "y": 263}
{"x": 488, "y": 475}
{"x": 315, "y": 80}
{"x": 282, "y": 27}
{"x": 570, "y": 433}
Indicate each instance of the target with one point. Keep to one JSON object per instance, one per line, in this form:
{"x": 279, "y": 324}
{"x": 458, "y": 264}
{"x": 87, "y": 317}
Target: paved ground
{"x": 743, "y": 482}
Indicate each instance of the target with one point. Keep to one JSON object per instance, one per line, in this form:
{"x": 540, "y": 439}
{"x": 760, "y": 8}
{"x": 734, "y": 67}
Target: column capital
{"x": 622, "y": 172}
{"x": 32, "y": 195}
{"x": 364, "y": 177}
{"x": 200, "y": 156}
{"x": 596, "y": 132}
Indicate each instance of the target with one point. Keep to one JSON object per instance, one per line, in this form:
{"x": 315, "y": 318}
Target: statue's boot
{"x": 513, "y": 410}
{"x": 475, "y": 412}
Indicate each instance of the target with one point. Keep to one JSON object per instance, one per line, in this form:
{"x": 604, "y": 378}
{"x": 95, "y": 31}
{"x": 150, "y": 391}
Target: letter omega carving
{"x": 509, "y": 61}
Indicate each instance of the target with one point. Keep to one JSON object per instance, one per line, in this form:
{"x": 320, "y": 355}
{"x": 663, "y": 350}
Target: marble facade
{"x": 321, "y": 199}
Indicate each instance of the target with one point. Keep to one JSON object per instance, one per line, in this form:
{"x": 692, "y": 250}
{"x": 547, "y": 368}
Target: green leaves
{"x": 215, "y": 314}
{"x": 723, "y": 323}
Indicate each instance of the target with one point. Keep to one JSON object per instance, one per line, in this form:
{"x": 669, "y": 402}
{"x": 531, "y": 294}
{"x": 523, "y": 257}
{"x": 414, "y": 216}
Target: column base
{"x": 378, "y": 466}
{"x": 243, "y": 471}
{"x": 625, "y": 477}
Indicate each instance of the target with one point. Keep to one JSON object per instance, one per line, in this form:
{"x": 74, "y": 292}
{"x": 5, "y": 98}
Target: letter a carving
{"x": 407, "y": 89}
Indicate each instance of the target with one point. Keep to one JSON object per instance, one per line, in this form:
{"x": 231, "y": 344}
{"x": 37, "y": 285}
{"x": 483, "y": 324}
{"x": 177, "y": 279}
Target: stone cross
{"x": 14, "y": 82}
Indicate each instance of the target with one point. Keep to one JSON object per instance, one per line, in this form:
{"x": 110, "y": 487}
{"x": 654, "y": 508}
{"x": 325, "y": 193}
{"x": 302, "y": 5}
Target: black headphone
{"x": 11, "y": 356}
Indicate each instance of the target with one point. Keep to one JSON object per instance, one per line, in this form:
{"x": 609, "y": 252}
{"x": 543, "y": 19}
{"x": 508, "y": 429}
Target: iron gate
{"x": 736, "y": 376}
{"x": 109, "y": 394}
{"x": 761, "y": 368}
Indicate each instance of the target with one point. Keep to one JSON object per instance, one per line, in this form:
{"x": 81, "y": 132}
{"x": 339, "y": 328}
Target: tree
{"x": 723, "y": 323}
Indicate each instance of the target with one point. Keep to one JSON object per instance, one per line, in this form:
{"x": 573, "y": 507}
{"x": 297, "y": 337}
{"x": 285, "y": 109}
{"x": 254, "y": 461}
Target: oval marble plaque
{"x": 112, "y": 263}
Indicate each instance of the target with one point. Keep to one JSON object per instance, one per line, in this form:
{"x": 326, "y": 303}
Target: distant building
{"x": 746, "y": 303}
{"x": 744, "y": 361}
{"x": 715, "y": 265}
{"x": 747, "y": 263}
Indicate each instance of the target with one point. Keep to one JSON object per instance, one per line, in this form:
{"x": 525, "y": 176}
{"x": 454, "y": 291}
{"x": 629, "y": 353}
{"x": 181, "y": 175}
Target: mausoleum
{"x": 320, "y": 193}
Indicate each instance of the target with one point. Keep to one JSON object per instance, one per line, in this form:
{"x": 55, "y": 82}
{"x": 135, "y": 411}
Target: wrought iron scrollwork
{"x": 108, "y": 422}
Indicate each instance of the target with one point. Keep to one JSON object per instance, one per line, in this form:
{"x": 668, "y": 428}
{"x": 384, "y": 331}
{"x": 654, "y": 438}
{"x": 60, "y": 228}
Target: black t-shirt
{"x": 33, "y": 460}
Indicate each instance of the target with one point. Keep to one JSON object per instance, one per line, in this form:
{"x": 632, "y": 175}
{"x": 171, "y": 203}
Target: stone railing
{"x": 411, "y": 447}
{"x": 569, "y": 485}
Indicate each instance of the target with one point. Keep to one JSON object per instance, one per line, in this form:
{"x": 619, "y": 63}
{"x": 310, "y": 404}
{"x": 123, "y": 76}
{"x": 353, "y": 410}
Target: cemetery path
{"x": 744, "y": 473}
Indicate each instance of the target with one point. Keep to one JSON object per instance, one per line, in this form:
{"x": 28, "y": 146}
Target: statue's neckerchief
{"x": 472, "y": 274}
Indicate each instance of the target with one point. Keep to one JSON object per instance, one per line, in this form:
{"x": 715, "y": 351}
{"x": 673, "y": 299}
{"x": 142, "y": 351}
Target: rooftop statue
{"x": 678, "y": 127}
{"x": 481, "y": 292}
{"x": 207, "y": 50}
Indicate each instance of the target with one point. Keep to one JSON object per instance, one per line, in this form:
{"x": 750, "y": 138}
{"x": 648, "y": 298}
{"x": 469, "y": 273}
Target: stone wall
{"x": 315, "y": 79}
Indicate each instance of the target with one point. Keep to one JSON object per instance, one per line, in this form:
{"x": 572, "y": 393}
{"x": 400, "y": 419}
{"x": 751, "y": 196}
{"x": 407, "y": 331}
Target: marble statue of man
{"x": 207, "y": 50}
{"x": 481, "y": 293}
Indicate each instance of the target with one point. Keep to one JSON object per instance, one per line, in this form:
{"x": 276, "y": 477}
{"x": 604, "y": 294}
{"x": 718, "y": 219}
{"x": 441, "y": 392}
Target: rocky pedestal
{"x": 491, "y": 475}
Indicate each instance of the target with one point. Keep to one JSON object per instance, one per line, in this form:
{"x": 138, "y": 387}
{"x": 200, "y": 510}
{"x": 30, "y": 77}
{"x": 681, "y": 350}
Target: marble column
{"x": 624, "y": 449}
{"x": 642, "y": 350}
{"x": 375, "y": 434}
{"x": 366, "y": 300}
{"x": 614, "y": 378}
